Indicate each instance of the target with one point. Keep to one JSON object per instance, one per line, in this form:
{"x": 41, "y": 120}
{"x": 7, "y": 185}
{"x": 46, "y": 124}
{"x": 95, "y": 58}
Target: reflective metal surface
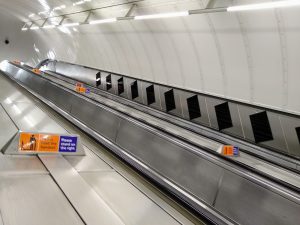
{"x": 186, "y": 171}
{"x": 91, "y": 208}
{"x": 34, "y": 200}
{"x": 249, "y": 160}
{"x": 29, "y": 195}
{"x": 111, "y": 187}
{"x": 240, "y": 113}
{"x": 7, "y": 129}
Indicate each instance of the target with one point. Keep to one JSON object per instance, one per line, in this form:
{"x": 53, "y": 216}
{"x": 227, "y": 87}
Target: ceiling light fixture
{"x": 70, "y": 24}
{"x": 59, "y": 8}
{"x": 162, "y": 15}
{"x": 44, "y": 12}
{"x": 34, "y": 28}
{"x": 265, "y": 5}
{"x": 111, "y": 20}
{"x": 258, "y": 6}
{"x": 81, "y": 2}
{"x": 49, "y": 26}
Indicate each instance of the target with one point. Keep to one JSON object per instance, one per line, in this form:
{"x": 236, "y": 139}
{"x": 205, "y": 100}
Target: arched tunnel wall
{"x": 247, "y": 56}
{"x": 14, "y": 44}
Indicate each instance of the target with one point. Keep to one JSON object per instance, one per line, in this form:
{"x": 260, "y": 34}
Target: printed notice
{"x": 43, "y": 143}
{"x": 67, "y": 144}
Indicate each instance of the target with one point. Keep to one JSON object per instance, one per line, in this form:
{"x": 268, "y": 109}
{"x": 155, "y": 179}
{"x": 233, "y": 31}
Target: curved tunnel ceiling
{"x": 246, "y": 56}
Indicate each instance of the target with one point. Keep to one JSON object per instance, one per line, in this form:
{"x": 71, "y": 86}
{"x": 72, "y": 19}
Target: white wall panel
{"x": 20, "y": 45}
{"x": 250, "y": 56}
{"x": 234, "y": 57}
{"x": 265, "y": 48}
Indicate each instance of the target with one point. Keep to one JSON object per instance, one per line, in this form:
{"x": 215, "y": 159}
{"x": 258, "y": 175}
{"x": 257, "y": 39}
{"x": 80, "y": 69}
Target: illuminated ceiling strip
{"x": 259, "y": 6}
{"x": 48, "y": 26}
{"x": 34, "y": 28}
{"x": 265, "y": 5}
{"x": 162, "y": 15}
{"x": 80, "y": 2}
{"x": 70, "y": 24}
{"x": 111, "y": 20}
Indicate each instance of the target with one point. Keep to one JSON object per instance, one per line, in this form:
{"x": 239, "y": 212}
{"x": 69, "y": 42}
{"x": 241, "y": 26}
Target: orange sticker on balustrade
{"x": 48, "y": 143}
{"x": 43, "y": 143}
{"x": 28, "y": 142}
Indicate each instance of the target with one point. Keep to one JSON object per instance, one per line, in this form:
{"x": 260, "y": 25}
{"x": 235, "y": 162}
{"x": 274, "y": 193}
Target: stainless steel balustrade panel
{"x": 259, "y": 206}
{"x": 7, "y": 128}
{"x": 88, "y": 163}
{"x": 93, "y": 116}
{"x": 88, "y": 204}
{"x": 34, "y": 82}
{"x": 20, "y": 165}
{"x": 84, "y": 74}
{"x": 134, "y": 207}
{"x": 184, "y": 168}
{"x": 34, "y": 200}
{"x": 58, "y": 96}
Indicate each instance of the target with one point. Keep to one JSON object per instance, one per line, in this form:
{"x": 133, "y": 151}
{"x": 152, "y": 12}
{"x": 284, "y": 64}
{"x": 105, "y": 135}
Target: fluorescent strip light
{"x": 49, "y": 26}
{"x": 162, "y": 15}
{"x": 78, "y": 3}
{"x": 34, "y": 28}
{"x": 24, "y": 28}
{"x": 111, "y": 20}
{"x": 70, "y": 24}
{"x": 44, "y": 12}
{"x": 59, "y": 8}
{"x": 265, "y": 5}
{"x": 31, "y": 15}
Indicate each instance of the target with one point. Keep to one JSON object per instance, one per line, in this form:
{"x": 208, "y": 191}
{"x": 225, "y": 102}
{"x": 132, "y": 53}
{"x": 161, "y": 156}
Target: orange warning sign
{"x": 17, "y": 62}
{"x": 80, "y": 89}
{"x": 28, "y": 142}
{"x": 36, "y": 71}
{"x": 31, "y": 142}
{"x": 230, "y": 150}
{"x": 48, "y": 143}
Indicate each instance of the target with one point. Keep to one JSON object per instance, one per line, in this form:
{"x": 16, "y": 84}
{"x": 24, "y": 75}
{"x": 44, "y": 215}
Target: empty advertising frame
{"x": 120, "y": 86}
{"x": 193, "y": 107}
{"x": 98, "y": 79}
{"x": 150, "y": 94}
{"x": 134, "y": 90}
{"x": 170, "y": 100}
{"x": 108, "y": 82}
{"x": 261, "y": 127}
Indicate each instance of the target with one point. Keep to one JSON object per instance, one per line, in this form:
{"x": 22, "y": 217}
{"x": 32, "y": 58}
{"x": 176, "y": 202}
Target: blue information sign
{"x": 67, "y": 144}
